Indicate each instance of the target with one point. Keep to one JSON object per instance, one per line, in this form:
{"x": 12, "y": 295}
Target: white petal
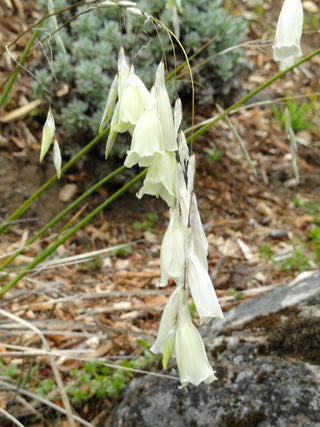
{"x": 123, "y": 70}
{"x": 200, "y": 285}
{"x": 160, "y": 178}
{"x": 165, "y": 111}
{"x": 146, "y": 140}
{"x": 190, "y": 352}
{"x": 168, "y": 321}
{"x": 134, "y": 99}
{"x": 289, "y": 30}
{"x": 287, "y": 62}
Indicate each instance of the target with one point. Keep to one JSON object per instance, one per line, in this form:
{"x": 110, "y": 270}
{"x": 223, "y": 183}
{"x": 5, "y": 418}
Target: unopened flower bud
{"x": 48, "y": 132}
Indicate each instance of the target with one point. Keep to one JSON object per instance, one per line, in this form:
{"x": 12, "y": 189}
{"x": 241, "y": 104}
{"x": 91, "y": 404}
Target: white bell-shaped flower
{"x": 168, "y": 321}
{"x": 147, "y": 139}
{"x": 199, "y": 237}
{"x": 200, "y": 285}
{"x": 160, "y": 178}
{"x": 190, "y": 352}
{"x": 165, "y": 111}
{"x": 172, "y": 259}
{"x": 133, "y": 100}
{"x": 289, "y": 30}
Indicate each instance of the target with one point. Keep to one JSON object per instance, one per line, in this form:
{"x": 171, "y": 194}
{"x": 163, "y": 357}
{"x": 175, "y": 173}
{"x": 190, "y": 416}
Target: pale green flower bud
{"x": 165, "y": 111}
{"x": 172, "y": 259}
{"x": 190, "y": 352}
{"x": 111, "y": 101}
{"x": 57, "y": 160}
{"x": 168, "y": 321}
{"x": 200, "y": 285}
{"x": 289, "y": 30}
{"x": 160, "y": 178}
{"x": 48, "y": 132}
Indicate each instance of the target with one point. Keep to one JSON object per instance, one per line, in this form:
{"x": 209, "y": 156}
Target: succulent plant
{"x": 92, "y": 41}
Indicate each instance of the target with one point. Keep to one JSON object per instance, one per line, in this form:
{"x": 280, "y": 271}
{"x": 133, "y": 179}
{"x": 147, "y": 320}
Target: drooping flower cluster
{"x": 286, "y": 45}
{"x": 156, "y": 141}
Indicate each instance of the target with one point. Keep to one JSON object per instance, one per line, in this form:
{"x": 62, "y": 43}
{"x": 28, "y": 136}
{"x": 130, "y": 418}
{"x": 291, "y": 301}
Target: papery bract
{"x": 165, "y": 111}
{"x": 111, "y": 101}
{"x": 190, "y": 352}
{"x": 183, "y": 150}
{"x": 160, "y": 178}
{"x": 172, "y": 259}
{"x": 177, "y": 115}
{"x": 183, "y": 196}
{"x": 191, "y": 172}
{"x": 200, "y": 285}
{"x": 289, "y": 30}
{"x": 57, "y": 160}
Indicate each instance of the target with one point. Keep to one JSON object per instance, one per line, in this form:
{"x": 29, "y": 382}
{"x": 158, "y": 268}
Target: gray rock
{"x": 267, "y": 357}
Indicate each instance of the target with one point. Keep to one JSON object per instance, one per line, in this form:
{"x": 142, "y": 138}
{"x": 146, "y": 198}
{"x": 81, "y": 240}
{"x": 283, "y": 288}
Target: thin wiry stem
{"x": 55, "y": 370}
{"x": 43, "y": 400}
{"x": 11, "y": 417}
{"x": 46, "y": 252}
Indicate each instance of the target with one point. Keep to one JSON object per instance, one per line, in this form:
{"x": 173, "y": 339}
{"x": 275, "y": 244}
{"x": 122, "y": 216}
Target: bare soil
{"x": 115, "y": 300}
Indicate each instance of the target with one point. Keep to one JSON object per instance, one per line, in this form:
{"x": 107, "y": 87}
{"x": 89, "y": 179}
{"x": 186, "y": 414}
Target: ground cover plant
{"x": 114, "y": 329}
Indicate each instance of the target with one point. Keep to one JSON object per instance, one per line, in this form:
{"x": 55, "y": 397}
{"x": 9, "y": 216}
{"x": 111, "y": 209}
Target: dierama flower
{"x": 172, "y": 259}
{"x": 147, "y": 139}
{"x": 160, "y": 178}
{"x": 168, "y": 321}
{"x": 164, "y": 111}
{"x": 190, "y": 352}
{"x": 288, "y": 33}
{"x": 200, "y": 285}
{"x": 133, "y": 100}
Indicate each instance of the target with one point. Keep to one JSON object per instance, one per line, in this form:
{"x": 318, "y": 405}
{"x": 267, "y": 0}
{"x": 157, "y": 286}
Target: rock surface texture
{"x": 267, "y": 357}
